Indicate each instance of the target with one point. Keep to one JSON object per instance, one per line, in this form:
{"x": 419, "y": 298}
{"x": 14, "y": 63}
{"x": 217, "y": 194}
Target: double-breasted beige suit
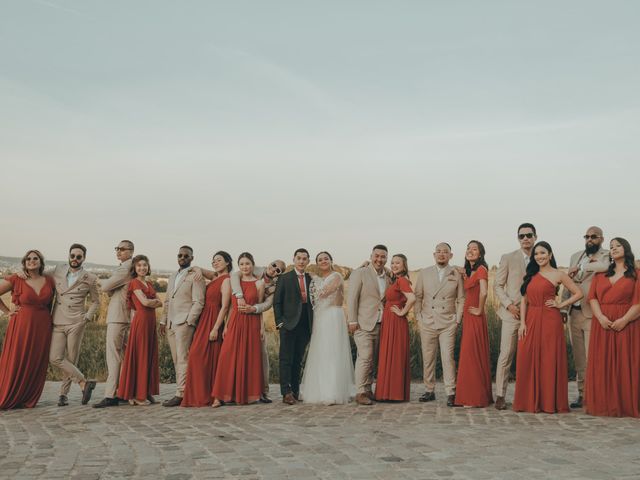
{"x": 580, "y": 315}
{"x": 438, "y": 311}
{"x": 365, "y": 302}
{"x": 183, "y": 305}
{"x": 118, "y": 321}
{"x": 511, "y": 272}
{"x": 70, "y": 315}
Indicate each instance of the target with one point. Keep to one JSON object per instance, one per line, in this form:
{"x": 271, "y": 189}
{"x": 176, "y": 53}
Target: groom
{"x": 293, "y": 316}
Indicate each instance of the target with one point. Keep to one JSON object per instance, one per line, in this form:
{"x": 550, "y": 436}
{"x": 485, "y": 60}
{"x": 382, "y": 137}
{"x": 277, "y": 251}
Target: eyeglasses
{"x": 591, "y": 237}
{"x": 122, "y": 249}
{"x": 276, "y": 268}
{"x": 32, "y": 259}
{"x": 73, "y": 256}
{"x": 183, "y": 255}
{"x": 522, "y": 236}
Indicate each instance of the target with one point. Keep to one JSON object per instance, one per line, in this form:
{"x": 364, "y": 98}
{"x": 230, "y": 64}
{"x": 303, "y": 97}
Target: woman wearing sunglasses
{"x": 25, "y": 353}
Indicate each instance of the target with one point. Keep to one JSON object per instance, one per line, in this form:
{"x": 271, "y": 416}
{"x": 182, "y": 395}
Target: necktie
{"x": 303, "y": 291}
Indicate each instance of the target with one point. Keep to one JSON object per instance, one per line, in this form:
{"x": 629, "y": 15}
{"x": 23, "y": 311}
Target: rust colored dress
{"x": 541, "y": 368}
{"x": 473, "y": 388}
{"x": 140, "y": 373}
{"x": 25, "y": 352}
{"x": 203, "y": 353}
{"x": 612, "y": 382}
{"x": 394, "y": 372}
{"x": 239, "y": 371}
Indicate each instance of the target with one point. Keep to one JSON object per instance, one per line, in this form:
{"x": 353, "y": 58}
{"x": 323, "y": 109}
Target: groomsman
{"x": 118, "y": 320}
{"x": 583, "y": 265}
{"x": 294, "y": 317}
{"x": 183, "y": 304}
{"x": 509, "y": 276}
{"x": 438, "y": 309}
{"x": 269, "y": 275}
{"x": 367, "y": 286}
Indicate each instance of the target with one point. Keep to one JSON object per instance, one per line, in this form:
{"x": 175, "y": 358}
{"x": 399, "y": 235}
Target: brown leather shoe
{"x": 289, "y": 399}
{"x": 172, "y": 402}
{"x": 363, "y": 399}
{"x": 500, "y": 403}
{"x": 370, "y": 395}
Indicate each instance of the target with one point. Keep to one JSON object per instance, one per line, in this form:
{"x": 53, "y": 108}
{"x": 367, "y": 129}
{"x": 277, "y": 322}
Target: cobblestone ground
{"x": 390, "y": 441}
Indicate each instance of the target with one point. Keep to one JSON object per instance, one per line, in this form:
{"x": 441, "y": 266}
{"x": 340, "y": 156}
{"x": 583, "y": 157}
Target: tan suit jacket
{"x": 116, "y": 287}
{"x": 184, "y": 302}
{"x": 508, "y": 281}
{"x": 600, "y": 265}
{"x": 69, "y": 303}
{"x": 439, "y": 304}
{"x": 364, "y": 299}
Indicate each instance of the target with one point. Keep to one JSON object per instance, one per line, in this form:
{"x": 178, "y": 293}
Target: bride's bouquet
{"x": 314, "y": 293}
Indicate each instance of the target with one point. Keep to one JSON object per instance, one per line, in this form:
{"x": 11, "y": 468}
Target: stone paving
{"x": 385, "y": 441}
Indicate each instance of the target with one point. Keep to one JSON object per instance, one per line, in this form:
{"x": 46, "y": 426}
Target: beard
{"x": 591, "y": 249}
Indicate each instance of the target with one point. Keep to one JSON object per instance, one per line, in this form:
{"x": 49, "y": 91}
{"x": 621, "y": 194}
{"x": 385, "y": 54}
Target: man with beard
{"x": 582, "y": 267}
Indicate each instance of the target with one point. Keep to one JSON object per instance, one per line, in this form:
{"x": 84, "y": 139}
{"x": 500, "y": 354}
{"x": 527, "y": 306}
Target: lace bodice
{"x": 327, "y": 292}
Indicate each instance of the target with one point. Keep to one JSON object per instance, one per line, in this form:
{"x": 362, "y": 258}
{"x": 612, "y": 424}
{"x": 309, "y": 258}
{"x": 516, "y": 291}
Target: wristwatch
{"x": 238, "y": 295}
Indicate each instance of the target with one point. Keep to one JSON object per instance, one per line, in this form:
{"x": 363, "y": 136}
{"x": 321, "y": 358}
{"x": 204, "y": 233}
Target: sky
{"x": 336, "y": 125}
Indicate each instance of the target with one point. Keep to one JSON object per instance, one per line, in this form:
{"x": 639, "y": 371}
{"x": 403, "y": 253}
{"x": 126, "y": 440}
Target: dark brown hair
{"x": 134, "y": 262}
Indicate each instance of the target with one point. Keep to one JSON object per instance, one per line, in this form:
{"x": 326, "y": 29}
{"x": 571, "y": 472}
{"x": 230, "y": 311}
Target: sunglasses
{"x": 522, "y": 236}
{"x": 121, "y": 249}
{"x": 32, "y": 259}
{"x": 183, "y": 255}
{"x": 73, "y": 256}
{"x": 591, "y": 237}
{"x": 276, "y": 268}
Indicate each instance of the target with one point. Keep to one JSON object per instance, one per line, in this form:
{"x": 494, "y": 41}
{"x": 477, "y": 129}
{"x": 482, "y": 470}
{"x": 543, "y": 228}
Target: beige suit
{"x": 183, "y": 304}
{"x": 365, "y": 303}
{"x": 580, "y": 316}
{"x": 508, "y": 281}
{"x": 118, "y": 320}
{"x": 438, "y": 310}
{"x": 69, "y": 319}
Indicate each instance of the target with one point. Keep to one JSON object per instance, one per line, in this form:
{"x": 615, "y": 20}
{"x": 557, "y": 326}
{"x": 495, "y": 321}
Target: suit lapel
{"x": 76, "y": 284}
{"x": 65, "y": 279}
{"x": 442, "y": 283}
{"x": 181, "y": 281}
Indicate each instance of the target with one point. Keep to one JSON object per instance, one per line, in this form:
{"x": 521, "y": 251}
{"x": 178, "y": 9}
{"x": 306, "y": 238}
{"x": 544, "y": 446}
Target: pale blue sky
{"x": 264, "y": 126}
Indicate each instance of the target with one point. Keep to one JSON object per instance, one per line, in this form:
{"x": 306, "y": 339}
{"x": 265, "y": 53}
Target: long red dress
{"x": 203, "y": 353}
{"x": 612, "y": 382}
{"x": 239, "y": 372}
{"x": 140, "y": 373}
{"x": 25, "y": 353}
{"x": 394, "y": 372}
{"x": 541, "y": 364}
{"x": 473, "y": 388}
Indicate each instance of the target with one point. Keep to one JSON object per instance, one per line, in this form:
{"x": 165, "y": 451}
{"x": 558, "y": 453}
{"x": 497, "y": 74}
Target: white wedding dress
{"x": 328, "y": 373}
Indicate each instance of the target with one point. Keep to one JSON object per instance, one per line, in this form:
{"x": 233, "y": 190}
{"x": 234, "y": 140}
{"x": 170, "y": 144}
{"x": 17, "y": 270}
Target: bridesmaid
{"x": 140, "y": 373}
{"x": 474, "y": 368}
{"x": 239, "y": 372}
{"x": 25, "y": 352}
{"x": 207, "y": 339}
{"x": 541, "y": 364}
{"x": 612, "y": 383}
{"x": 394, "y": 372}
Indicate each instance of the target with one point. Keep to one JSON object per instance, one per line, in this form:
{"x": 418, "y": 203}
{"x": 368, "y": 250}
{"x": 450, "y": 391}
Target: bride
{"x": 328, "y": 374}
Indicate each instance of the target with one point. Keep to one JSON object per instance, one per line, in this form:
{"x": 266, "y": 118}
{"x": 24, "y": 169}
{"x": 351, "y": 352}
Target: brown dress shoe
{"x": 363, "y": 399}
{"x": 289, "y": 399}
{"x": 370, "y": 395}
{"x": 172, "y": 402}
{"x": 500, "y": 403}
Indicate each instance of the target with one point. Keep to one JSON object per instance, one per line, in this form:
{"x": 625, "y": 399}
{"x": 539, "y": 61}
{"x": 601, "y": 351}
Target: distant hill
{"x": 13, "y": 264}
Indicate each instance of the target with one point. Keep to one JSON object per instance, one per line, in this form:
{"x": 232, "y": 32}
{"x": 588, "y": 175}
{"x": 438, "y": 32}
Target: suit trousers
{"x": 180, "y": 337}
{"x": 265, "y": 366}
{"x": 64, "y": 353}
{"x": 367, "y": 344}
{"x": 116, "y": 342}
{"x": 579, "y": 333}
{"x": 292, "y": 347}
{"x": 508, "y": 346}
{"x": 430, "y": 338}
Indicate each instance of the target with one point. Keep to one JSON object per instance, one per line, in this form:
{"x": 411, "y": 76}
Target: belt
{"x": 576, "y": 307}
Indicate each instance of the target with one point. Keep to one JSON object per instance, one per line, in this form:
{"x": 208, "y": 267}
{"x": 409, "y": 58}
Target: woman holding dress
{"x": 239, "y": 372}
{"x": 474, "y": 368}
{"x": 207, "y": 339}
{"x": 25, "y": 352}
{"x": 328, "y": 374}
{"x": 140, "y": 372}
{"x": 612, "y": 383}
{"x": 394, "y": 372}
{"x": 541, "y": 364}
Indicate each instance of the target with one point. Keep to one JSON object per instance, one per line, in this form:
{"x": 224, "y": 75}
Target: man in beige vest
{"x": 365, "y": 302}
{"x": 508, "y": 281}
{"x": 583, "y": 265}
{"x": 183, "y": 304}
{"x": 438, "y": 310}
{"x": 118, "y": 320}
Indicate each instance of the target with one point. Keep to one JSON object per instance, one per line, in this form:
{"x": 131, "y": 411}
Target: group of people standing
{"x": 217, "y": 334}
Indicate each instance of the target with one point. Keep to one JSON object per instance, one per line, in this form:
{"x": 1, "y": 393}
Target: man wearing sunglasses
{"x": 183, "y": 304}
{"x": 508, "y": 281}
{"x": 583, "y": 266}
{"x": 118, "y": 320}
